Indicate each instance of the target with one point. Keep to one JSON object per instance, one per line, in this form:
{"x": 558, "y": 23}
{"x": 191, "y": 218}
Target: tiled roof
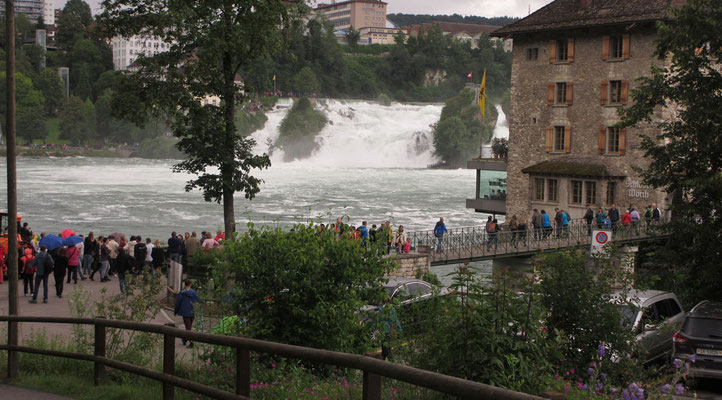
{"x": 574, "y": 166}
{"x": 566, "y": 14}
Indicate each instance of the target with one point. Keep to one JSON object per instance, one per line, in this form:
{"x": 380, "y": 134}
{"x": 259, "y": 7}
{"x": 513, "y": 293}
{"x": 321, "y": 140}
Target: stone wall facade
{"x": 531, "y": 115}
{"x": 411, "y": 263}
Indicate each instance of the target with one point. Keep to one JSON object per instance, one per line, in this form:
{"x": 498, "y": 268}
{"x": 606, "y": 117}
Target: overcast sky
{"x": 483, "y": 8}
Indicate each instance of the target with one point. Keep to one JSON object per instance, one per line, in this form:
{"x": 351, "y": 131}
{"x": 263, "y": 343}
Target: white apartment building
{"x": 127, "y": 50}
{"x": 49, "y": 12}
{"x": 33, "y": 9}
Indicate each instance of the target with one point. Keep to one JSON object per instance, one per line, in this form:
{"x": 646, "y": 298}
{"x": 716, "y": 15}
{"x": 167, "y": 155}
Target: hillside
{"x": 415, "y": 19}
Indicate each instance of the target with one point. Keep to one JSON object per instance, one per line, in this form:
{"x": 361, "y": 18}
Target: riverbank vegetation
{"x": 298, "y": 130}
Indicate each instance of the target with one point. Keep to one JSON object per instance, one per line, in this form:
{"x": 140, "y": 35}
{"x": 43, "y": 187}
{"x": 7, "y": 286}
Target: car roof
{"x": 398, "y": 281}
{"x": 706, "y": 309}
{"x": 640, "y": 297}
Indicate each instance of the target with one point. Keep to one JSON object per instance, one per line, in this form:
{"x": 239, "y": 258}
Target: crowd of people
{"x": 108, "y": 256}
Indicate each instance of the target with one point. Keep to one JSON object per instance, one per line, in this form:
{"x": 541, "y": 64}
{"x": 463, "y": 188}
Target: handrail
{"x": 372, "y": 368}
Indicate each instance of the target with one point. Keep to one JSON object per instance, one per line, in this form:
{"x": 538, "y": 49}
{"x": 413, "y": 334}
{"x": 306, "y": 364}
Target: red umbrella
{"x": 66, "y": 233}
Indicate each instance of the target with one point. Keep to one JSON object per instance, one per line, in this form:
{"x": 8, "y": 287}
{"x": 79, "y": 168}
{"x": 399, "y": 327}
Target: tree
{"x": 77, "y": 121}
{"x": 211, "y": 42}
{"x": 29, "y": 103}
{"x": 73, "y": 23}
{"x": 352, "y": 37}
{"x": 685, "y": 157}
{"x": 305, "y": 81}
{"x": 52, "y": 89}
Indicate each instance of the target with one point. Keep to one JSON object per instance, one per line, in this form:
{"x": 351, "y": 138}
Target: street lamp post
{"x": 12, "y": 260}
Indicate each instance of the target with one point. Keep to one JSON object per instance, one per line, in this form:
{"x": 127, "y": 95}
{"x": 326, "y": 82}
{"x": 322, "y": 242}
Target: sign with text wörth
{"x": 600, "y": 238}
{"x": 637, "y": 189}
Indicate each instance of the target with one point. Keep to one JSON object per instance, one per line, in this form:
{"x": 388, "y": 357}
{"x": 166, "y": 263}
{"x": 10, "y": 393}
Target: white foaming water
{"x": 501, "y": 130}
{"x": 363, "y": 134}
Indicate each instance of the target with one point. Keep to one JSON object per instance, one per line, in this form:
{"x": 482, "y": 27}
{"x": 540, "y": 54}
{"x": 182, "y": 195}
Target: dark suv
{"x": 701, "y": 336}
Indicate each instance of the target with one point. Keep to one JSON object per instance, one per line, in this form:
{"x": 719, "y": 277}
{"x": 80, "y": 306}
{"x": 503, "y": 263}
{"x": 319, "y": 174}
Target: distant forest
{"x": 415, "y": 19}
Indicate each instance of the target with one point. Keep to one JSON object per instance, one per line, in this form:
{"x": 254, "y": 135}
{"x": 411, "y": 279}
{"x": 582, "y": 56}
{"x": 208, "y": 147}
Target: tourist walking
{"x": 149, "y": 246}
{"x": 493, "y": 231}
{"x": 89, "y": 253}
{"x": 523, "y": 228}
{"x": 400, "y": 240}
{"x": 44, "y": 265}
{"x": 73, "y": 254}
{"x": 588, "y": 218}
{"x": 613, "y": 215}
{"x": 635, "y": 219}
{"x": 112, "y": 246}
{"x": 184, "y": 306}
{"x": 192, "y": 244}
{"x": 558, "y": 221}
{"x": 439, "y": 231}
{"x": 121, "y": 267}
{"x": 105, "y": 260}
{"x": 29, "y": 268}
{"x": 61, "y": 268}
{"x": 513, "y": 227}
{"x": 363, "y": 231}
{"x": 565, "y": 223}
{"x": 537, "y": 224}
{"x": 648, "y": 215}
{"x": 158, "y": 256}
{"x": 140, "y": 251}
{"x": 656, "y": 214}
{"x": 546, "y": 224}
{"x": 174, "y": 248}
{"x": 600, "y": 217}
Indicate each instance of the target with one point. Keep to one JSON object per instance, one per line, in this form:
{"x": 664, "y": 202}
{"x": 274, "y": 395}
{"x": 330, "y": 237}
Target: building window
{"x": 539, "y": 189}
{"x": 558, "y": 138}
{"x": 611, "y": 192}
{"x": 591, "y": 192}
{"x": 561, "y": 93}
{"x": 552, "y": 189}
{"x": 612, "y": 140}
{"x": 616, "y": 46}
{"x": 562, "y": 50}
{"x": 532, "y": 54}
{"x": 577, "y": 192}
{"x": 615, "y": 92}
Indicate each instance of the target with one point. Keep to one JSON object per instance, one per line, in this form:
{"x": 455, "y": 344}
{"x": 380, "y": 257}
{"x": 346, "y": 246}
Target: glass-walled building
{"x": 490, "y": 194}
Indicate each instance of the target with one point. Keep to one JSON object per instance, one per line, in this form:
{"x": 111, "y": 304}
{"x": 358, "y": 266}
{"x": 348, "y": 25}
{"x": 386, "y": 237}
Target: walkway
{"x": 472, "y": 244}
{"x": 9, "y": 392}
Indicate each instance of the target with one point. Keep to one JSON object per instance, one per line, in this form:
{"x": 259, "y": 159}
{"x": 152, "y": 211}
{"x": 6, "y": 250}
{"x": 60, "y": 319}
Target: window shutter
{"x": 570, "y": 89}
{"x": 549, "y": 137}
{"x": 603, "y": 92}
{"x": 602, "y": 144}
{"x": 552, "y": 51}
{"x": 625, "y": 46}
{"x": 567, "y": 139}
{"x": 605, "y": 48}
{"x": 550, "y": 93}
{"x": 625, "y": 92}
{"x": 622, "y": 141}
{"x": 570, "y": 49}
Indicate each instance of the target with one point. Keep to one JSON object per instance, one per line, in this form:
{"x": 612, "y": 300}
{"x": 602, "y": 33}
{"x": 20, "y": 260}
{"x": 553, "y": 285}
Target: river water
{"x": 370, "y": 165}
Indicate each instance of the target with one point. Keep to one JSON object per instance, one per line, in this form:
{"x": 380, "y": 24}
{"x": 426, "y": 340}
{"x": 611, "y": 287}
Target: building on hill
{"x": 366, "y": 16}
{"x": 127, "y": 50}
{"x": 33, "y": 9}
{"x": 463, "y": 32}
{"x": 574, "y": 64}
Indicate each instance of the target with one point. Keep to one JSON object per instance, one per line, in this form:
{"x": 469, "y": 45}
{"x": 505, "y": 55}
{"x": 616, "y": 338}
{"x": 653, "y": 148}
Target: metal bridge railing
{"x": 476, "y": 242}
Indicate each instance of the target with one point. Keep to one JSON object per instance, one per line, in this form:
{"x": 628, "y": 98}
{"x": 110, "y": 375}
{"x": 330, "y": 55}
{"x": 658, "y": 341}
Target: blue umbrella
{"x": 72, "y": 240}
{"x": 51, "y": 242}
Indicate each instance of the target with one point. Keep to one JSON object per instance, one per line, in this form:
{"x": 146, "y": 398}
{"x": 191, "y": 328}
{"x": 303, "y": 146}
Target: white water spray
{"x": 363, "y": 134}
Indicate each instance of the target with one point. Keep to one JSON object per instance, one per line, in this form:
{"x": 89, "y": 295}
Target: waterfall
{"x": 363, "y": 134}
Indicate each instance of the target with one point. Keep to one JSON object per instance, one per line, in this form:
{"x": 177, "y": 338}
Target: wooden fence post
{"x": 371, "y": 386}
{"x": 99, "y": 369}
{"x": 12, "y": 354}
{"x": 243, "y": 372}
{"x": 168, "y": 363}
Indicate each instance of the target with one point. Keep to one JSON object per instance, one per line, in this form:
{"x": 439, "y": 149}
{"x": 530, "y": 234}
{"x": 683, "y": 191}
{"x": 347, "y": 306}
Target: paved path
{"x": 9, "y": 392}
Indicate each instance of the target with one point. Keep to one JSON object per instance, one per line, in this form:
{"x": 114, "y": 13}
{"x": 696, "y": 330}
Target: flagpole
{"x": 482, "y": 108}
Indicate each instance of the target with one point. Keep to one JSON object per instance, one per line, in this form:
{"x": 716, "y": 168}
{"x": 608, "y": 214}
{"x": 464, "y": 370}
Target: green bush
{"x": 303, "y": 287}
{"x": 487, "y": 334}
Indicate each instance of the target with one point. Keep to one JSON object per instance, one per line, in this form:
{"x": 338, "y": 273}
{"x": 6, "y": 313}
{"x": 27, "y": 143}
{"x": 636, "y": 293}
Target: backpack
{"x": 648, "y": 213}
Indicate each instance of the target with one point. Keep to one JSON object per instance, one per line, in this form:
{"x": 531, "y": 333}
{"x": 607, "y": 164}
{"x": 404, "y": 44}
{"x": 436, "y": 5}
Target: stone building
{"x": 574, "y": 65}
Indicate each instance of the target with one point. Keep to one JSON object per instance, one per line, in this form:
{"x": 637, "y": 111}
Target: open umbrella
{"x": 51, "y": 242}
{"x": 72, "y": 240}
{"x": 67, "y": 232}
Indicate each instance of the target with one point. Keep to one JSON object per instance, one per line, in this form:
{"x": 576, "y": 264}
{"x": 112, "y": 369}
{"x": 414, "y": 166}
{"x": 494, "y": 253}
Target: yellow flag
{"x": 482, "y": 95}
{"x": 274, "y": 77}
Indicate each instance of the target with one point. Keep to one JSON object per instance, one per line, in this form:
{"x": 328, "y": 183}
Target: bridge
{"x": 475, "y": 244}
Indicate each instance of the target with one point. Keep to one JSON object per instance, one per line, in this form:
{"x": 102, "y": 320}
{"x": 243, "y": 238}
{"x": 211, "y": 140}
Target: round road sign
{"x": 602, "y": 237}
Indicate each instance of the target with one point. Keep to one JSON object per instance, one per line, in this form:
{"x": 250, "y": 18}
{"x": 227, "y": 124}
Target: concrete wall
{"x": 530, "y": 115}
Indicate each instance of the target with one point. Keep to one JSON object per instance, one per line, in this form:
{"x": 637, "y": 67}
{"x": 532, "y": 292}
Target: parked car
{"x": 409, "y": 295}
{"x": 654, "y": 317}
{"x": 701, "y": 336}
